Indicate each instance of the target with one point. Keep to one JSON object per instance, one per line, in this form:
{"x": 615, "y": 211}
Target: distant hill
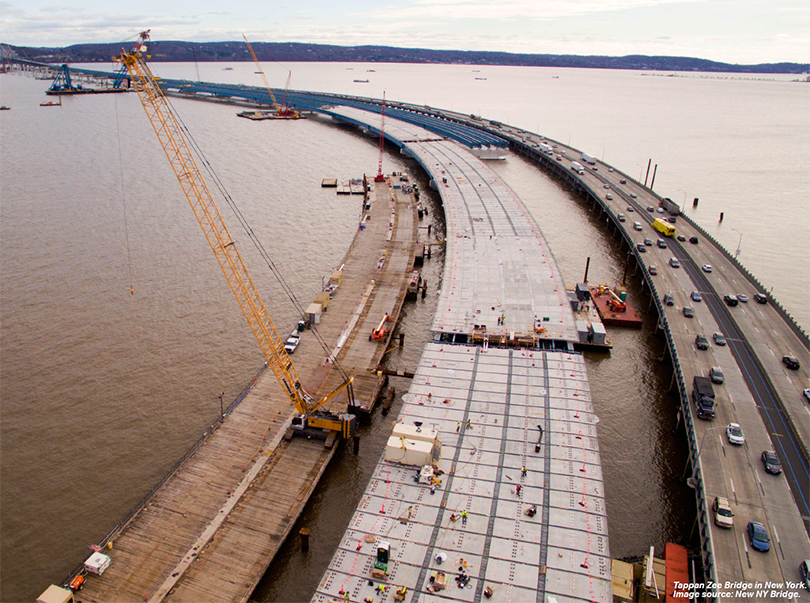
{"x": 325, "y": 53}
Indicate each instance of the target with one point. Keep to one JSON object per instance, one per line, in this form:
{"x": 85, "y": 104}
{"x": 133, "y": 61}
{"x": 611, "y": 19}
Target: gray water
{"x": 102, "y": 391}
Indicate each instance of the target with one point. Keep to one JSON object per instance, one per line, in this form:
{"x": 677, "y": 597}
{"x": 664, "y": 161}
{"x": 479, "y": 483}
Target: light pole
{"x": 691, "y": 481}
{"x": 736, "y": 253}
{"x": 603, "y": 154}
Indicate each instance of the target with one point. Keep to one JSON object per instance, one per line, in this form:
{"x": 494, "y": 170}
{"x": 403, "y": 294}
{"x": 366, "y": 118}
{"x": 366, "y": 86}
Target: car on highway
{"x": 696, "y": 296}
{"x": 722, "y": 512}
{"x": 734, "y": 433}
{"x": 653, "y": 269}
{"x": 804, "y": 572}
{"x": 606, "y": 185}
{"x": 758, "y": 536}
{"x": 292, "y": 343}
{"x": 660, "y": 210}
{"x": 609, "y": 197}
{"x": 630, "y": 208}
{"x": 719, "y": 338}
{"x": 559, "y": 157}
{"x": 693, "y": 240}
{"x": 681, "y": 238}
{"x": 661, "y": 243}
{"x": 689, "y": 311}
{"x": 650, "y": 209}
{"x": 642, "y": 248}
{"x": 760, "y": 298}
{"x": 771, "y": 462}
{"x": 701, "y": 342}
{"x": 648, "y": 242}
{"x": 731, "y": 300}
{"x": 622, "y": 181}
{"x": 716, "y": 374}
{"x": 674, "y": 262}
{"x": 807, "y": 394}
{"x": 669, "y": 300}
{"x": 791, "y": 362}
{"x": 632, "y": 195}
{"x": 621, "y": 217}
{"x": 742, "y": 298}
{"x": 707, "y": 267}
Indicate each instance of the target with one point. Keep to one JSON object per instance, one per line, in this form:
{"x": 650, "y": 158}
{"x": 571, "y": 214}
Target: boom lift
{"x": 202, "y": 203}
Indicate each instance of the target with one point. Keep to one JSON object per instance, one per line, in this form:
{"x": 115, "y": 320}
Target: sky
{"x": 730, "y": 31}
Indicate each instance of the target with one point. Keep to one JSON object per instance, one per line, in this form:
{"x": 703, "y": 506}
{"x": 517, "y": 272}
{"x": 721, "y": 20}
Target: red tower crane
{"x": 379, "y": 177}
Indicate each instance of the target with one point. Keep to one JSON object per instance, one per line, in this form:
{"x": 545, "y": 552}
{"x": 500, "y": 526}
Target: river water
{"x": 103, "y": 390}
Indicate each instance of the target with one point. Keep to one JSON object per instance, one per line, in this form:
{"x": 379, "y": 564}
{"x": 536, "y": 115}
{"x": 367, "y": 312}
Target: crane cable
{"x": 250, "y": 233}
{"x": 123, "y": 197}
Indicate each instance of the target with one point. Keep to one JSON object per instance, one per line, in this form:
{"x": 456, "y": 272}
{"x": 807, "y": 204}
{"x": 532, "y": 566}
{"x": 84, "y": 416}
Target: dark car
{"x": 791, "y": 362}
{"x": 650, "y": 209}
{"x": 804, "y": 572}
{"x": 669, "y": 300}
{"x": 642, "y": 248}
{"x": 701, "y": 342}
{"x": 771, "y": 462}
{"x": 731, "y": 300}
{"x": 761, "y": 298}
{"x": 622, "y": 181}
{"x": 689, "y": 311}
{"x": 693, "y": 240}
{"x": 758, "y": 536}
{"x": 681, "y": 238}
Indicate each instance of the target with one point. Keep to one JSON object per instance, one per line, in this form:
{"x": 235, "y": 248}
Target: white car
{"x": 735, "y": 434}
{"x": 707, "y": 267}
{"x": 292, "y": 343}
{"x": 722, "y": 512}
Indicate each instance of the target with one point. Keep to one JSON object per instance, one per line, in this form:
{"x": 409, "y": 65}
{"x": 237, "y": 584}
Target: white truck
{"x": 588, "y": 159}
{"x": 546, "y": 148}
{"x": 577, "y": 167}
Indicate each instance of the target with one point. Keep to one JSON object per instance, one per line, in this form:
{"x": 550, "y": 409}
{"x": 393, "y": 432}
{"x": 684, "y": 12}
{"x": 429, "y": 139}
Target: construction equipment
{"x": 617, "y": 304}
{"x": 281, "y": 112}
{"x": 222, "y": 244}
{"x": 380, "y": 332}
{"x": 379, "y": 177}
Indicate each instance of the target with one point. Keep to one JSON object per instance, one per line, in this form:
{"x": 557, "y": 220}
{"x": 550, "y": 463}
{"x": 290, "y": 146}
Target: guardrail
{"x": 147, "y": 498}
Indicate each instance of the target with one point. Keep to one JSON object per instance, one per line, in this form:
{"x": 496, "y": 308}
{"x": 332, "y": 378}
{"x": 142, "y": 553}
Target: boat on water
{"x": 51, "y": 103}
{"x": 227, "y": 69}
{"x": 4, "y": 108}
{"x": 361, "y": 81}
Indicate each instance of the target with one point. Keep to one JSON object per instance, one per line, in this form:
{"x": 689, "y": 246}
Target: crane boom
{"x": 261, "y": 72}
{"x": 222, "y": 244}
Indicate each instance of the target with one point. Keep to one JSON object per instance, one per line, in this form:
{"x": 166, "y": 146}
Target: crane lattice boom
{"x": 209, "y": 218}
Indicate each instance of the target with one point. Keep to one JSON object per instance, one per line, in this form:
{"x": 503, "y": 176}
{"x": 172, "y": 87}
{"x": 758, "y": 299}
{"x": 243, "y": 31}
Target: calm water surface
{"x": 102, "y": 391}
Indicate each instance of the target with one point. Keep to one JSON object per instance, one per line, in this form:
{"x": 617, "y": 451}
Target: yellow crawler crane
{"x": 199, "y": 197}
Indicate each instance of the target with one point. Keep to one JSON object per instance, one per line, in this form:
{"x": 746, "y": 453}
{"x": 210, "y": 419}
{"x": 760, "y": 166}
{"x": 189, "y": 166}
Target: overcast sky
{"x": 732, "y": 31}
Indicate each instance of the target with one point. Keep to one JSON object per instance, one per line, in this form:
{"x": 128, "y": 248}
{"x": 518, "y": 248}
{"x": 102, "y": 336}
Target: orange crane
{"x": 222, "y": 244}
{"x": 380, "y": 332}
{"x": 282, "y": 112}
{"x": 616, "y": 303}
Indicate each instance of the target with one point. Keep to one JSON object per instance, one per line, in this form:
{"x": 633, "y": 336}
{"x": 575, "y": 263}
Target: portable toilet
{"x": 97, "y": 563}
